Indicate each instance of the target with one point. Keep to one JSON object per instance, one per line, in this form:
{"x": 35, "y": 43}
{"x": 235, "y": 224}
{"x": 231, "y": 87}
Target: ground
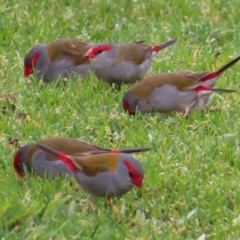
{"x": 191, "y": 185}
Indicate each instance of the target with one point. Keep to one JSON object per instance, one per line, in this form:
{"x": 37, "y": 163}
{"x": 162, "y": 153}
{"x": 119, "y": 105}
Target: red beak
{"x": 89, "y": 54}
{"x": 138, "y": 183}
{"x": 27, "y": 72}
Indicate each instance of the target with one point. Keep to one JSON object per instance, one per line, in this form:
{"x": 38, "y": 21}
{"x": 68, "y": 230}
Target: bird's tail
{"x": 127, "y": 150}
{"x": 207, "y": 90}
{"x": 223, "y": 90}
{"x": 208, "y": 76}
{"x": 131, "y": 150}
{"x": 163, "y": 45}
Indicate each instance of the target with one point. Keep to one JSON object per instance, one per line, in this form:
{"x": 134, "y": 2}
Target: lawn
{"x": 191, "y": 185}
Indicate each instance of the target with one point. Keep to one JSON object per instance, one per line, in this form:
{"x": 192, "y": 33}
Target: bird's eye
{"x": 100, "y": 51}
{"x": 130, "y": 175}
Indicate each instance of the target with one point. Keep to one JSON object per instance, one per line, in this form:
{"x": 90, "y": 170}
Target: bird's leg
{"x": 186, "y": 112}
{"x": 110, "y": 203}
{"x": 91, "y": 205}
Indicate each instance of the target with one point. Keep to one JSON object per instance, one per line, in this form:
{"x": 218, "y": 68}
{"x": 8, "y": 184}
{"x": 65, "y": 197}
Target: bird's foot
{"x": 114, "y": 208}
{"x": 186, "y": 113}
{"x": 91, "y": 205}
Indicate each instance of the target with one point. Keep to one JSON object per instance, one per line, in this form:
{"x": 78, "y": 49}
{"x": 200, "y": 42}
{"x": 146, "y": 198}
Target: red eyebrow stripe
{"x": 131, "y": 169}
{"x": 33, "y": 60}
{"x": 115, "y": 151}
{"x": 15, "y": 164}
{"x": 127, "y": 108}
{"x": 101, "y": 48}
{"x": 126, "y": 105}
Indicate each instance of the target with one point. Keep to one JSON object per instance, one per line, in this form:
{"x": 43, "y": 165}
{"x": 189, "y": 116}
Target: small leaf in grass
{"x": 189, "y": 215}
{"x": 21, "y": 115}
{"x": 10, "y": 107}
{"x": 14, "y": 142}
{"x": 216, "y": 54}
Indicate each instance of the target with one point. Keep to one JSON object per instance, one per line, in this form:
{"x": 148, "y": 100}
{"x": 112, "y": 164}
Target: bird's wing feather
{"x": 133, "y": 52}
{"x": 71, "y": 49}
{"x": 93, "y": 164}
{"x": 189, "y": 73}
{"x": 67, "y": 145}
{"x": 146, "y": 86}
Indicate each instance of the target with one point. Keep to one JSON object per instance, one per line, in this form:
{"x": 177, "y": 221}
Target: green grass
{"x": 191, "y": 184}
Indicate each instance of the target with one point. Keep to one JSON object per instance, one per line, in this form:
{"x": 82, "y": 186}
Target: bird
{"x": 31, "y": 158}
{"x": 124, "y": 62}
{"x": 207, "y": 78}
{"x": 166, "y": 92}
{"x": 102, "y": 174}
{"x": 57, "y": 59}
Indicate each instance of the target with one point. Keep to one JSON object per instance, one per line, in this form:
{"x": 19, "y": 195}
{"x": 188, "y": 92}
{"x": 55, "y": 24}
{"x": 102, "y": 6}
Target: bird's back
{"x": 144, "y": 88}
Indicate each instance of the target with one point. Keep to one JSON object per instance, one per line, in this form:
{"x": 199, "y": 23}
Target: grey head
{"x": 129, "y": 172}
{"x": 36, "y": 60}
{"x": 130, "y": 103}
{"x": 21, "y": 159}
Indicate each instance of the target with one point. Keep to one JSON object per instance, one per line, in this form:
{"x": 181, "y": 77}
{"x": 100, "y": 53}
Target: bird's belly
{"x": 168, "y": 98}
{"x": 124, "y": 72}
{"x": 101, "y": 185}
{"x": 63, "y": 68}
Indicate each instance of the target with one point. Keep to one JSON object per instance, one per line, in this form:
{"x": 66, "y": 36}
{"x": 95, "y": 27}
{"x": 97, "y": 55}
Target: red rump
{"x": 136, "y": 179}
{"x": 209, "y": 76}
{"x": 203, "y": 88}
{"x": 156, "y": 48}
{"x": 115, "y": 151}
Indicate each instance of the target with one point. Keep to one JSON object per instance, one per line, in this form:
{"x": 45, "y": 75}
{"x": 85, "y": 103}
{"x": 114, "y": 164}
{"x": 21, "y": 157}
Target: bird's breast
{"x": 103, "y": 184}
